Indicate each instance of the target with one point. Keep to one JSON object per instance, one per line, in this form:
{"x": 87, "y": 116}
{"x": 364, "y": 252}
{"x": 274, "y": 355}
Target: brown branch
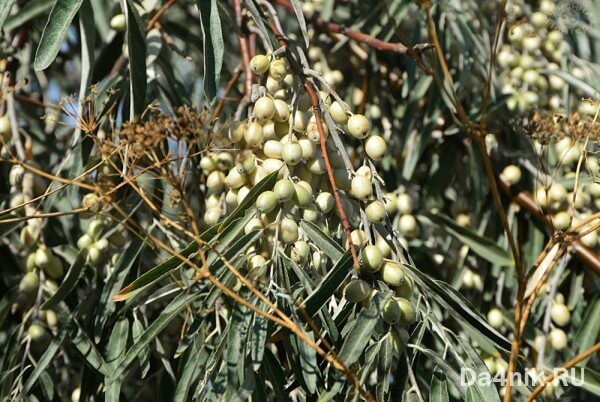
{"x": 318, "y": 22}
{"x": 583, "y": 355}
{"x": 244, "y": 47}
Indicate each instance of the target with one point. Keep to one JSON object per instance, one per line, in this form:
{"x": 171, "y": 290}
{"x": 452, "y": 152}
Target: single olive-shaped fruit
{"x": 212, "y": 216}
{"x": 264, "y": 108}
{"x": 253, "y": 224}
{"x": 29, "y": 283}
{"x": 118, "y": 22}
{"x": 325, "y": 202}
{"x": 272, "y": 149}
{"x": 253, "y": 134}
{"x": 94, "y": 256}
{"x": 288, "y": 230}
{"x": 358, "y": 126}
{"x": 512, "y": 174}
{"x": 357, "y": 291}
{"x": 54, "y": 268}
{"x": 300, "y": 251}
{"x": 407, "y": 224}
{"x": 95, "y": 227}
{"x": 259, "y": 64}
{"x": 409, "y": 314}
{"x": 282, "y": 111}
{"x": 224, "y": 161}
{"x": 15, "y": 177}
{"x": 561, "y": 220}
{"x": 391, "y": 312}
{"x": 361, "y": 188}
{"x": 235, "y": 179}
{"x": 278, "y": 69}
{"x": 558, "y": 339}
{"x": 365, "y": 171}
{"x": 36, "y": 332}
{"x": 42, "y": 257}
{"x": 495, "y": 318}
{"x": 291, "y": 153}
{"x": 557, "y": 193}
{"x": 405, "y": 289}
{"x": 266, "y": 202}
{"x": 372, "y": 258}
{"x": 284, "y": 190}
{"x": 208, "y": 163}
{"x": 27, "y": 237}
{"x": 271, "y": 165}
{"x": 338, "y": 113}
{"x": 5, "y": 130}
{"x": 392, "y": 273}
{"x": 375, "y": 211}
{"x": 85, "y": 241}
{"x": 375, "y": 147}
{"x": 560, "y": 314}
{"x": 404, "y": 203}
{"x": 302, "y": 196}
{"x": 359, "y": 238}
{"x": 215, "y": 182}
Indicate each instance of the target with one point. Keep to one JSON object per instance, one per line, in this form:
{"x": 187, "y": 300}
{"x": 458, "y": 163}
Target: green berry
{"x": 392, "y": 273}
{"x": 375, "y": 147}
{"x": 259, "y": 64}
{"x": 560, "y": 314}
{"x": 358, "y": 126}
{"x": 118, "y": 22}
{"x": 338, "y": 114}
{"x": 361, "y": 188}
{"x": 357, "y": 291}
{"x": 325, "y": 202}
{"x": 29, "y": 283}
{"x": 375, "y": 211}
{"x": 391, "y": 312}
{"x": 264, "y": 108}
{"x": 36, "y": 332}
{"x": 254, "y": 134}
{"x": 495, "y": 318}
{"x": 288, "y": 230}
{"x": 266, "y": 202}
{"x": 372, "y": 258}
{"x": 284, "y": 190}
{"x": 291, "y": 153}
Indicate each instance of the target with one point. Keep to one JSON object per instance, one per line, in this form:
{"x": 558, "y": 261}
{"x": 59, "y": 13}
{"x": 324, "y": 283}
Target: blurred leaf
{"x": 136, "y": 43}
{"x": 322, "y": 241}
{"x": 585, "y": 378}
{"x": 5, "y": 8}
{"x": 588, "y": 332}
{"x": 44, "y": 361}
{"x": 301, "y": 22}
{"x": 329, "y": 285}
{"x": 213, "y": 46}
{"x": 439, "y": 387}
{"x": 59, "y": 21}
{"x": 482, "y": 246}
{"x": 73, "y": 276}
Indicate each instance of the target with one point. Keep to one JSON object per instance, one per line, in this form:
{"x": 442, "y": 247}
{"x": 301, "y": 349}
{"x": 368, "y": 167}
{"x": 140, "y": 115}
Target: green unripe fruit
{"x": 102, "y": 244}
{"x": 372, "y": 258}
{"x": 272, "y": 149}
{"x": 55, "y": 268}
{"x": 512, "y": 174}
{"x": 558, "y": 339}
{"x": 357, "y": 291}
{"x": 282, "y": 111}
{"x": 300, "y": 251}
{"x": 375, "y": 147}
{"x": 310, "y": 214}
{"x": 291, "y": 153}
{"x": 259, "y": 64}
{"x": 409, "y": 314}
{"x": 118, "y": 22}
{"x": 325, "y": 202}
{"x": 235, "y": 133}
{"x": 338, "y": 114}
{"x": 253, "y": 134}
{"x": 208, "y": 163}
{"x": 384, "y": 247}
{"x": 390, "y": 202}
{"x": 312, "y": 132}
{"x": 358, "y": 126}
{"x": 94, "y": 256}
{"x": 42, "y": 257}
{"x": 361, "y": 188}
{"x": 215, "y": 182}
{"x": 407, "y": 224}
{"x": 561, "y": 220}
{"x": 266, "y": 202}
{"x": 271, "y": 165}
{"x": 95, "y": 227}
{"x": 30, "y": 262}
{"x": 85, "y": 241}
{"x": 405, "y": 289}
{"x": 308, "y": 147}
{"x": 560, "y": 314}
{"x": 359, "y": 238}
{"x": 15, "y": 177}
{"x": 27, "y": 237}
{"x": 284, "y": 190}
{"x": 375, "y": 211}
{"x": 302, "y": 196}
{"x": 36, "y": 332}
{"x": 391, "y": 312}
{"x": 316, "y": 165}
{"x": 278, "y": 69}
{"x": 253, "y": 224}
{"x": 235, "y": 179}
{"x": 392, "y": 273}
{"x": 495, "y": 318}
{"x": 29, "y": 283}
{"x": 288, "y": 230}
{"x": 5, "y": 130}
{"x": 365, "y": 171}
{"x": 264, "y": 108}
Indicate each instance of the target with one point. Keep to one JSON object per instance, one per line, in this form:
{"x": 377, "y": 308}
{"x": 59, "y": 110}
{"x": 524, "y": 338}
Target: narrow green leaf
{"x": 44, "y": 361}
{"x": 169, "y": 313}
{"x": 439, "y": 388}
{"x": 585, "y": 378}
{"x": 5, "y": 7}
{"x": 74, "y": 273}
{"x": 30, "y": 11}
{"x": 482, "y": 246}
{"x": 260, "y": 19}
{"x": 301, "y": 22}
{"x": 323, "y": 242}
{"x": 136, "y": 42}
{"x": 308, "y": 363}
{"x": 114, "y": 352}
{"x": 362, "y": 330}
{"x": 60, "y": 19}
{"x": 213, "y": 45}
{"x": 237, "y": 344}
{"x": 189, "y": 369}
{"x": 589, "y": 330}
{"x": 259, "y": 338}
{"x": 329, "y": 285}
